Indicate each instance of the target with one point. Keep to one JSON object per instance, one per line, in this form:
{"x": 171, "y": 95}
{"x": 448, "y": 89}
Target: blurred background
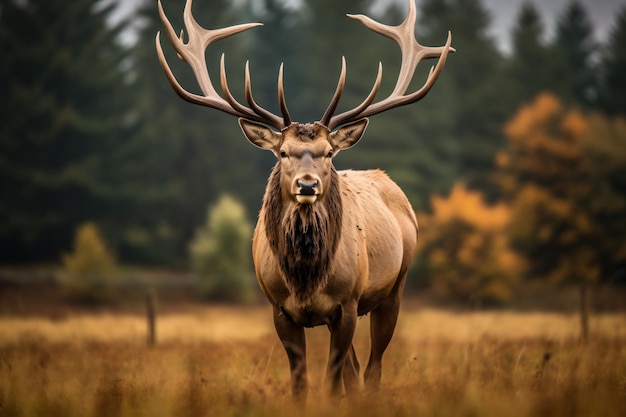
{"x": 515, "y": 162}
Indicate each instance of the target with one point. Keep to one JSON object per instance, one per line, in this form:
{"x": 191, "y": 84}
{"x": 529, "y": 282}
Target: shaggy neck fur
{"x": 304, "y": 237}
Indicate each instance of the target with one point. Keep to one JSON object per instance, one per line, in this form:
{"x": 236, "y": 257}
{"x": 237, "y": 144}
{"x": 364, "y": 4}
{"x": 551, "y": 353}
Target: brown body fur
{"x": 353, "y": 248}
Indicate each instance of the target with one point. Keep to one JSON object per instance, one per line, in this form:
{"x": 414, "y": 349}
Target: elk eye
{"x": 330, "y": 154}
{"x": 283, "y": 154}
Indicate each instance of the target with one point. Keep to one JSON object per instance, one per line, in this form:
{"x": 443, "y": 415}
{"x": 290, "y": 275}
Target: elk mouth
{"x": 306, "y": 198}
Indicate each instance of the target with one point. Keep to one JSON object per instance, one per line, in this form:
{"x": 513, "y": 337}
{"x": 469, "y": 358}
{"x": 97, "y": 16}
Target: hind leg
{"x": 383, "y": 321}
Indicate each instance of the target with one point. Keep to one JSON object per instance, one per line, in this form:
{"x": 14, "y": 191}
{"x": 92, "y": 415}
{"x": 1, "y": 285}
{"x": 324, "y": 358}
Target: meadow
{"x": 226, "y": 361}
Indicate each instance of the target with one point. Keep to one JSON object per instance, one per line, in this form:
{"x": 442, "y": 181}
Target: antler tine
{"x": 281, "y": 98}
{"x": 397, "y": 100}
{"x": 228, "y": 95}
{"x": 338, "y": 92}
{"x": 193, "y": 52}
{"x": 412, "y": 54}
{"x": 272, "y": 119}
{"x": 346, "y": 116}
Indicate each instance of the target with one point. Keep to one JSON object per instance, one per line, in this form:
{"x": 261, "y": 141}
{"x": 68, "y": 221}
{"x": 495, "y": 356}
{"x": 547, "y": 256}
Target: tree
{"x": 573, "y": 50}
{"x": 544, "y": 177}
{"x": 329, "y": 36}
{"x": 530, "y": 62}
{"x": 462, "y": 119}
{"x": 89, "y": 271}
{"x": 220, "y": 253}
{"x": 187, "y": 154}
{"x": 63, "y": 116}
{"x": 277, "y": 42}
{"x": 547, "y": 180}
{"x": 466, "y": 249}
{"x": 611, "y": 99}
{"x": 604, "y": 150}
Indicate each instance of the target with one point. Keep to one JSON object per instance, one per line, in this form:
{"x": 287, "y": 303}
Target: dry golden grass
{"x": 199, "y": 325}
{"x": 228, "y": 362}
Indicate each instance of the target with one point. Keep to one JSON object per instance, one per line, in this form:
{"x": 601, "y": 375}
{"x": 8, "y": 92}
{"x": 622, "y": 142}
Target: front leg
{"x": 294, "y": 341}
{"x": 342, "y": 329}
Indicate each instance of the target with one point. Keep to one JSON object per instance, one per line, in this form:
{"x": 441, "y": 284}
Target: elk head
{"x": 304, "y": 151}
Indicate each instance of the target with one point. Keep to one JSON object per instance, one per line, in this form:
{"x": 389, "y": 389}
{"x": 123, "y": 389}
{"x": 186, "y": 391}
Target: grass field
{"x": 226, "y": 361}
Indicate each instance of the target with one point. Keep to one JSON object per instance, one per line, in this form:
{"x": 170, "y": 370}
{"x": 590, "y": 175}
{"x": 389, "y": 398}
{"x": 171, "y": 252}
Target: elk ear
{"x": 348, "y": 135}
{"x": 260, "y": 135}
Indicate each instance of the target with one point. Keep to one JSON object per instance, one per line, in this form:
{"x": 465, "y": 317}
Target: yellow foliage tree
{"x": 466, "y": 248}
{"x": 544, "y": 149}
{"x": 89, "y": 271}
{"x": 545, "y": 177}
{"x": 564, "y": 175}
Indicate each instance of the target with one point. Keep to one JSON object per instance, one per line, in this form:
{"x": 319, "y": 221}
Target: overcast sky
{"x": 503, "y": 14}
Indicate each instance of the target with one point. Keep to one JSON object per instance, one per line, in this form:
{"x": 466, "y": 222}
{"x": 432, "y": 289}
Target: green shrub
{"x": 89, "y": 272}
{"x": 221, "y": 253}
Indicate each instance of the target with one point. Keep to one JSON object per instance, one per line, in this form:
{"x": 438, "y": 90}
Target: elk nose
{"x": 307, "y": 187}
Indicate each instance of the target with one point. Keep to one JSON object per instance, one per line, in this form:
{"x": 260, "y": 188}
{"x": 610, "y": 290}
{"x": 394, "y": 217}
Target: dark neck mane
{"x": 304, "y": 237}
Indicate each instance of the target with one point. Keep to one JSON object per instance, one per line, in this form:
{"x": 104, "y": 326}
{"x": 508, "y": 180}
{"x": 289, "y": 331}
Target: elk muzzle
{"x": 307, "y": 189}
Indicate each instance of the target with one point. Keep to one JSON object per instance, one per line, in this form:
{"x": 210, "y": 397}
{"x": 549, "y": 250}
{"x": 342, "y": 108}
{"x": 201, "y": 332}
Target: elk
{"x": 329, "y": 246}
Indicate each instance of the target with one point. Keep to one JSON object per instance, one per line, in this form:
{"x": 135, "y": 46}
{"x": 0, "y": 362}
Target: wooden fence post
{"x": 151, "y": 301}
{"x": 584, "y": 311}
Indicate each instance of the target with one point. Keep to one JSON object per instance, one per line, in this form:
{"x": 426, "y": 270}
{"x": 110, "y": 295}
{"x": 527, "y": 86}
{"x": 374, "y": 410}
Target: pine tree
{"x": 465, "y": 111}
{"x": 329, "y": 36}
{"x": 435, "y": 17}
{"x": 63, "y": 116}
{"x": 189, "y": 154}
{"x": 275, "y": 43}
{"x": 530, "y": 64}
{"x": 573, "y": 50}
{"x": 612, "y": 99}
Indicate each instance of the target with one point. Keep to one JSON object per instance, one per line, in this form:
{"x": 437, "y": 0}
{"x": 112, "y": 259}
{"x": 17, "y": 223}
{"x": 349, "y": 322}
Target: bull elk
{"x": 329, "y": 245}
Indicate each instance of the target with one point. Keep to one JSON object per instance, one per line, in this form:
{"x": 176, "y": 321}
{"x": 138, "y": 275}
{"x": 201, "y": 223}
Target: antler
{"x": 193, "y": 52}
{"x": 412, "y": 54}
